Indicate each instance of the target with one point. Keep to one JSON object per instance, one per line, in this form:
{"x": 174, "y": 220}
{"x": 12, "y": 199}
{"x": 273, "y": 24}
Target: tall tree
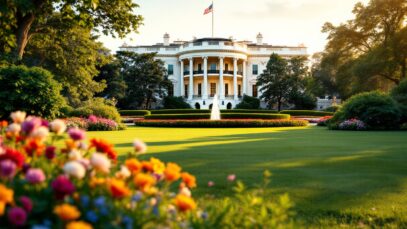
{"x": 115, "y": 84}
{"x": 281, "y": 79}
{"x": 146, "y": 79}
{"x": 19, "y": 20}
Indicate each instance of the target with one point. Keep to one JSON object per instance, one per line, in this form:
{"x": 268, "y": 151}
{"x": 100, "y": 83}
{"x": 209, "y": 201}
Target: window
{"x": 199, "y": 67}
{"x": 170, "y": 69}
{"x": 213, "y": 67}
{"x": 254, "y": 88}
{"x": 239, "y": 90}
{"x": 226, "y": 67}
{"x": 171, "y": 90}
{"x": 186, "y": 90}
{"x": 226, "y": 89}
{"x": 199, "y": 90}
{"x": 255, "y": 69}
{"x": 213, "y": 89}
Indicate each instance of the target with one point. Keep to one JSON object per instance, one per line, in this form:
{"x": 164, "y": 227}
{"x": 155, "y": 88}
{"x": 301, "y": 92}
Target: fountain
{"x": 215, "y": 113}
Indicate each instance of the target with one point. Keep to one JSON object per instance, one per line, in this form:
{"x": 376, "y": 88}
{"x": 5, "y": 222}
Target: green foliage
{"x": 334, "y": 108}
{"x": 32, "y": 90}
{"x": 134, "y": 112}
{"x": 97, "y": 107}
{"x": 303, "y": 101}
{"x": 223, "y": 115}
{"x": 249, "y": 102}
{"x": 115, "y": 84}
{"x": 221, "y": 123}
{"x": 145, "y": 77}
{"x": 377, "y": 110}
{"x": 249, "y": 111}
{"x": 399, "y": 94}
{"x": 281, "y": 79}
{"x": 171, "y": 102}
{"x": 206, "y": 111}
{"x": 306, "y": 113}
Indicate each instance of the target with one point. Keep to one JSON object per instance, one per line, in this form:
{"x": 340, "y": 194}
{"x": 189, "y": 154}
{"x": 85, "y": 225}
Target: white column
{"x": 221, "y": 84}
{"x": 182, "y": 79}
{"x": 244, "y": 86}
{"x": 191, "y": 79}
{"x": 235, "y": 79}
{"x": 205, "y": 79}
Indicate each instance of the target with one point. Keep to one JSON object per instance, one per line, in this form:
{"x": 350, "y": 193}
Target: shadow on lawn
{"x": 323, "y": 171}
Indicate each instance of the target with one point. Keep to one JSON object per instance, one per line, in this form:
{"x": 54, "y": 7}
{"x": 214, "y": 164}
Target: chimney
{"x": 166, "y": 39}
{"x": 259, "y": 39}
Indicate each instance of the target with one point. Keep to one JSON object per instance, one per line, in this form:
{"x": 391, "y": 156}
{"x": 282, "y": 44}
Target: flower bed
{"x": 224, "y": 116}
{"x": 93, "y": 123}
{"x": 221, "y": 123}
{"x": 351, "y": 124}
{"x": 81, "y": 184}
{"x": 323, "y": 121}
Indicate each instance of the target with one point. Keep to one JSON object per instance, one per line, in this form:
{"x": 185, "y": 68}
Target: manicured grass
{"x": 334, "y": 177}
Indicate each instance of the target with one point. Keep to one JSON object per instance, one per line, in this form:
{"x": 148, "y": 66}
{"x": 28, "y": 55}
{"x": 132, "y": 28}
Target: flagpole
{"x": 213, "y": 16}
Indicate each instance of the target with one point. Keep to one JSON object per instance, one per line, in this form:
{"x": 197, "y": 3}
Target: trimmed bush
{"x": 249, "y": 102}
{"x": 98, "y": 108}
{"x": 253, "y": 111}
{"x": 334, "y": 108}
{"x": 306, "y": 113}
{"x": 175, "y": 103}
{"x": 224, "y": 116}
{"x": 377, "y": 110}
{"x": 222, "y": 123}
{"x": 134, "y": 112}
{"x": 399, "y": 94}
{"x": 32, "y": 90}
{"x": 180, "y": 111}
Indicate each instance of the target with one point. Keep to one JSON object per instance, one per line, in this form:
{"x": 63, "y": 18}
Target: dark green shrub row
{"x": 255, "y": 111}
{"x": 134, "y": 112}
{"x": 224, "y": 116}
{"x": 306, "y": 113}
{"x": 205, "y": 111}
{"x": 222, "y": 123}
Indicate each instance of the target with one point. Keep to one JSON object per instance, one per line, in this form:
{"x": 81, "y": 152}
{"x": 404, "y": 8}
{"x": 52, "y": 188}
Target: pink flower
{"x": 211, "y": 183}
{"x": 93, "y": 118}
{"x": 231, "y": 177}
{"x": 139, "y": 146}
{"x": 62, "y": 187}
{"x": 30, "y": 124}
{"x": 58, "y": 126}
{"x": 76, "y": 134}
{"x": 27, "y": 203}
{"x": 7, "y": 168}
{"x": 17, "y": 216}
{"x": 35, "y": 176}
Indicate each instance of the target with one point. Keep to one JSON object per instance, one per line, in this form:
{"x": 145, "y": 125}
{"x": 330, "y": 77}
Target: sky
{"x": 282, "y": 22}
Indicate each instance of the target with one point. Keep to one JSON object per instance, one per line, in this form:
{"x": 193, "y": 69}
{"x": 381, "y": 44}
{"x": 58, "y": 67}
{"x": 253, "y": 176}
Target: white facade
{"x": 204, "y": 67}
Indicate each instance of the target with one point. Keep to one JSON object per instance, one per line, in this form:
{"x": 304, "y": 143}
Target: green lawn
{"x": 333, "y": 177}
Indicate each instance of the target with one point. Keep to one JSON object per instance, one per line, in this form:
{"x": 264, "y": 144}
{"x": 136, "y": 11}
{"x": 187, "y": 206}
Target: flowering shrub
{"x": 93, "y": 123}
{"x": 82, "y": 185}
{"x": 323, "y": 121}
{"x": 352, "y": 124}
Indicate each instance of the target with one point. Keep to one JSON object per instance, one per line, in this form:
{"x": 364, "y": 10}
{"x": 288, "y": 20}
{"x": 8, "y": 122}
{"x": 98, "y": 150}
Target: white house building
{"x": 202, "y": 68}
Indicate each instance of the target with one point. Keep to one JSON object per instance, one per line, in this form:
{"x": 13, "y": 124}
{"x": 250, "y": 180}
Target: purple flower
{"x": 27, "y": 203}
{"x": 76, "y": 134}
{"x": 17, "y": 216}
{"x": 7, "y": 168}
{"x": 62, "y": 187}
{"x": 35, "y": 176}
{"x": 50, "y": 152}
{"x": 30, "y": 124}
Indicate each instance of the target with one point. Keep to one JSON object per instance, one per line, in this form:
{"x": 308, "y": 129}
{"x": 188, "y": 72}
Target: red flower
{"x": 34, "y": 146}
{"x": 13, "y": 155}
{"x": 103, "y": 147}
{"x": 62, "y": 187}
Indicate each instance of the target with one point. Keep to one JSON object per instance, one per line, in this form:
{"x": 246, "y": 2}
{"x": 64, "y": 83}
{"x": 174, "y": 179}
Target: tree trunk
{"x": 22, "y": 33}
{"x": 279, "y": 105}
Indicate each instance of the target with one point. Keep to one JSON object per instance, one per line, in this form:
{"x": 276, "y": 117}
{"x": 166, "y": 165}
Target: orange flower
{"x": 6, "y": 197}
{"x": 34, "y": 146}
{"x": 189, "y": 180}
{"x": 78, "y": 225}
{"x": 118, "y": 188}
{"x": 184, "y": 203}
{"x": 70, "y": 145}
{"x": 172, "y": 172}
{"x": 95, "y": 181}
{"x": 3, "y": 124}
{"x": 144, "y": 181}
{"x": 133, "y": 165}
{"x": 147, "y": 166}
{"x": 103, "y": 146}
{"x": 67, "y": 212}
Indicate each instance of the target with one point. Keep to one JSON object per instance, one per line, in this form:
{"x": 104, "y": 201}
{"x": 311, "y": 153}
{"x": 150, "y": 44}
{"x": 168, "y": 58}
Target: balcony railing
{"x": 186, "y": 72}
{"x": 213, "y": 71}
{"x": 199, "y": 72}
{"x": 197, "y": 96}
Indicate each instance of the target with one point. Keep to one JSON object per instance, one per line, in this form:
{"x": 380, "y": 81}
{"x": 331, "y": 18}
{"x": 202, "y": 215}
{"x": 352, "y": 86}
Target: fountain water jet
{"x": 215, "y": 113}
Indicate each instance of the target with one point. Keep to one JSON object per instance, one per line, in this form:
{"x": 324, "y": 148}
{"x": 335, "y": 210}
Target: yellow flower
{"x": 2, "y": 208}
{"x": 144, "y": 181}
{"x": 158, "y": 166}
{"x": 67, "y": 212}
{"x": 118, "y": 188}
{"x": 6, "y": 195}
{"x": 78, "y": 225}
{"x": 95, "y": 181}
{"x": 184, "y": 203}
{"x": 172, "y": 172}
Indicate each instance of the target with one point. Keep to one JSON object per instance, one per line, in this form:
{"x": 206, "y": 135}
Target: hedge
{"x": 134, "y": 112}
{"x": 206, "y": 111}
{"x": 306, "y": 113}
{"x": 256, "y": 111}
{"x": 222, "y": 123}
{"x": 224, "y": 116}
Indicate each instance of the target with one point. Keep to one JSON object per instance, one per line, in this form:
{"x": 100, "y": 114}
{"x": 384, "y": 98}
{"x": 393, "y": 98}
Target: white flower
{"x": 139, "y": 146}
{"x": 75, "y": 155}
{"x": 58, "y": 126}
{"x": 14, "y": 128}
{"x": 123, "y": 173}
{"x": 185, "y": 191}
{"x": 18, "y": 116}
{"x": 40, "y": 133}
{"x": 75, "y": 169}
{"x": 100, "y": 162}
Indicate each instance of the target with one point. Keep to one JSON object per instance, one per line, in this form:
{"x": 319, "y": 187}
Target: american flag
{"x": 209, "y": 9}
